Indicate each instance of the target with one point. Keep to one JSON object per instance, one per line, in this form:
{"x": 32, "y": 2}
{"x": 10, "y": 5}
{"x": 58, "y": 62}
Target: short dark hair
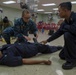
{"x": 5, "y": 17}
{"x": 66, "y": 5}
{"x": 25, "y": 11}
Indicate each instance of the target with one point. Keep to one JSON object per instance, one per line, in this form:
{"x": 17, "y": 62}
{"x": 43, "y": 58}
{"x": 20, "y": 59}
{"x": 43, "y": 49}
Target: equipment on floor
{"x": 35, "y": 40}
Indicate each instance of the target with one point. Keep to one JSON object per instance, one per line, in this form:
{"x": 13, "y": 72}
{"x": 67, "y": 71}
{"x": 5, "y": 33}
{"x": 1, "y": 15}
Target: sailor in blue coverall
{"x": 68, "y": 28}
{"x": 17, "y": 54}
{"x": 21, "y": 28}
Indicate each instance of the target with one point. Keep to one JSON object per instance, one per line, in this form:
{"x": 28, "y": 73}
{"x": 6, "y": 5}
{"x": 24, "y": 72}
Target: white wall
{"x": 55, "y": 19}
{"x": 39, "y": 18}
{"x": 44, "y": 17}
{"x": 12, "y": 13}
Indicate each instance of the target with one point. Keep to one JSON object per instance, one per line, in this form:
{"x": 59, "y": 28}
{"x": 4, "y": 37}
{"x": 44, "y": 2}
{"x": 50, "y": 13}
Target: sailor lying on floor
{"x": 17, "y": 54}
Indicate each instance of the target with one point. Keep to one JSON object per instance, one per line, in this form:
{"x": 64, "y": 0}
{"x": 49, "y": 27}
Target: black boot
{"x": 68, "y": 65}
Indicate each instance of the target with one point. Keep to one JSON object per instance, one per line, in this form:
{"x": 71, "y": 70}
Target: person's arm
{"x": 34, "y": 29}
{"x": 30, "y": 62}
{"x": 71, "y": 28}
{"x": 12, "y": 61}
{"x": 55, "y": 35}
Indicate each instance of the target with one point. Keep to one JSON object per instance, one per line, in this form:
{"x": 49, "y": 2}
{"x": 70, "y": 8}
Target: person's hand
{"x": 27, "y": 38}
{"x": 47, "y": 62}
{"x": 43, "y": 42}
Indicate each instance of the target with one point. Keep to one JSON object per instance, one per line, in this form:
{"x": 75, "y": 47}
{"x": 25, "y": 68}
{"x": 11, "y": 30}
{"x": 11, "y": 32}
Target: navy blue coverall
{"x": 69, "y": 30}
{"x": 13, "y": 53}
{"x": 20, "y": 28}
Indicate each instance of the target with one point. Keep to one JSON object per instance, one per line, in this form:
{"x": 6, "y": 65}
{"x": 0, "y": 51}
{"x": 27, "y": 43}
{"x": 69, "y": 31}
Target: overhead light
{"x": 55, "y": 8}
{"x": 9, "y": 2}
{"x": 73, "y": 2}
{"x": 51, "y": 4}
{"x": 40, "y": 10}
{"x": 47, "y": 12}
